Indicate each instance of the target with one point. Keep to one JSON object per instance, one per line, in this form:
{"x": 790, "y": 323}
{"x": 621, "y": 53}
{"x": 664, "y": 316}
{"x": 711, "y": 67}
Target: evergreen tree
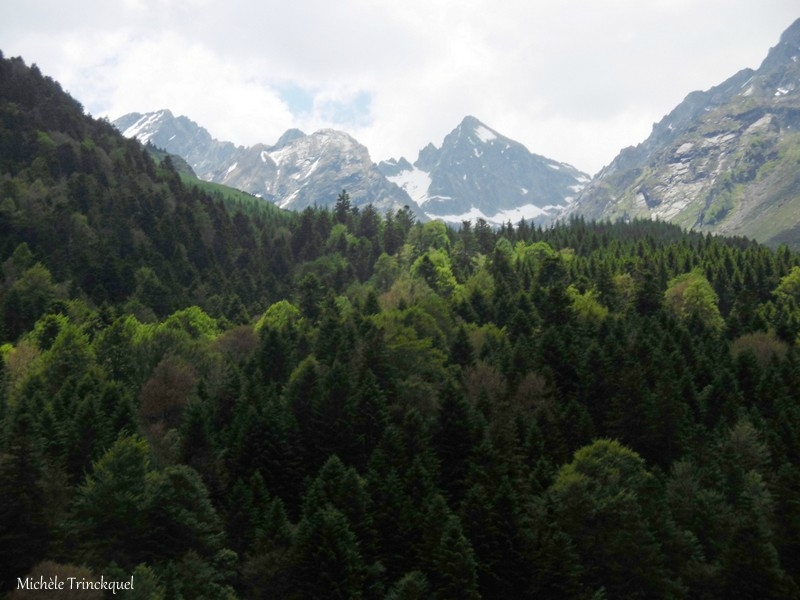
{"x": 327, "y": 561}
{"x": 343, "y": 208}
{"x": 23, "y": 530}
{"x": 413, "y": 586}
{"x": 110, "y": 507}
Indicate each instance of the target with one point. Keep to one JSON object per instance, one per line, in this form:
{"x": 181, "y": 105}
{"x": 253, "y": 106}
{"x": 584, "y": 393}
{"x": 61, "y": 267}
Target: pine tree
{"x": 455, "y": 435}
{"x": 454, "y": 573}
{"x": 343, "y": 489}
{"x": 326, "y": 559}
{"x": 109, "y": 520}
{"x": 343, "y": 208}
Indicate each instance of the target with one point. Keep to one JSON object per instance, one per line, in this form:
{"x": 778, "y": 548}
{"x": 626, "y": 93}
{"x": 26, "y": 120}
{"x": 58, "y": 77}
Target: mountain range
{"x": 724, "y": 160}
{"x": 297, "y": 171}
{"x": 476, "y": 173}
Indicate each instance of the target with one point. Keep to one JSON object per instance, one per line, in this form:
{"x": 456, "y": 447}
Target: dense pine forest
{"x": 223, "y": 400}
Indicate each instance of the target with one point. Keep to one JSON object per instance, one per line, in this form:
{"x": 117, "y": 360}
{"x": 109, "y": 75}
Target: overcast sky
{"x": 574, "y": 80}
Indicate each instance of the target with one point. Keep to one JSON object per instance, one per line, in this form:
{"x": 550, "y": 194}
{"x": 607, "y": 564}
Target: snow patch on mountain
{"x": 485, "y": 134}
{"x": 528, "y": 212}
{"x": 145, "y": 127}
{"x": 415, "y": 182}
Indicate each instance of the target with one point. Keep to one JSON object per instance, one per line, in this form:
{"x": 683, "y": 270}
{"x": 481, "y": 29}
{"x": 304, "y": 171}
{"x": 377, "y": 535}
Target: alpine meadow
{"x": 205, "y": 396}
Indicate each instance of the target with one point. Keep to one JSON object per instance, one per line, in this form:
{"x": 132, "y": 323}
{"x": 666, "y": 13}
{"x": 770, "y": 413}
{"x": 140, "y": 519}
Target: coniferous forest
{"x": 223, "y": 400}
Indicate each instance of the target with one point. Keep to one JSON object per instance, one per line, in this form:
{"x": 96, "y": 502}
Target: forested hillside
{"x": 226, "y": 401}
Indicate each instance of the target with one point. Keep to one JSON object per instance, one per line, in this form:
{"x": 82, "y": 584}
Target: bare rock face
{"x": 724, "y": 160}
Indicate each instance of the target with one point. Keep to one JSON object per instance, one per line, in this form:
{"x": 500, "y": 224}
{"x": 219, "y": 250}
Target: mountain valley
{"x": 725, "y": 161}
{"x": 209, "y": 396}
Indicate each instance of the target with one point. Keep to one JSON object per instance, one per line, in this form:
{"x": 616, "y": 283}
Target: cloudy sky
{"x": 574, "y": 80}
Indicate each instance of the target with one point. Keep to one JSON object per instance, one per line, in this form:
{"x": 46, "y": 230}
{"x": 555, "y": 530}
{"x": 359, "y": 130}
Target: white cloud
{"x": 168, "y": 71}
{"x": 575, "y": 81}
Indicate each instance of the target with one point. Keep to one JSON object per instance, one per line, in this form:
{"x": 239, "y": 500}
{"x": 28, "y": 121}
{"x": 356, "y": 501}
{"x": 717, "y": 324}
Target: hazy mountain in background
{"x": 296, "y": 172}
{"x": 479, "y": 173}
{"x": 476, "y": 173}
{"x": 725, "y": 160}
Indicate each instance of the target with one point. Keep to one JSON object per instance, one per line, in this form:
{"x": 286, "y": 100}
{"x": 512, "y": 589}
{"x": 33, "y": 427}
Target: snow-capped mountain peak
{"x": 146, "y": 126}
{"x": 479, "y": 173}
{"x": 304, "y": 170}
{"x": 474, "y": 130}
{"x": 181, "y": 136}
{"x": 299, "y": 170}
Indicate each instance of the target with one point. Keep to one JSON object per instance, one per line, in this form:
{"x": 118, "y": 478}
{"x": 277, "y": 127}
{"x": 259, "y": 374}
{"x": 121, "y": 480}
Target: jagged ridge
{"x": 724, "y": 160}
{"x": 479, "y": 173}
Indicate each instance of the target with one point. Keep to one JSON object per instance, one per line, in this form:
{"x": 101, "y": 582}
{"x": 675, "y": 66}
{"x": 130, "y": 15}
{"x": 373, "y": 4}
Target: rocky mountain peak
{"x": 479, "y": 173}
{"x": 427, "y": 157}
{"x": 780, "y": 71}
{"x": 177, "y": 135}
{"x": 720, "y": 161}
{"x": 791, "y": 37}
{"x": 393, "y": 166}
{"x": 288, "y": 137}
{"x": 471, "y": 128}
{"x": 469, "y": 133}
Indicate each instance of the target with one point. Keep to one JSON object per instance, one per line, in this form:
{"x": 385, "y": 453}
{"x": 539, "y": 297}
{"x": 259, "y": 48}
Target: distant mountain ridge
{"x": 724, "y": 160}
{"x": 298, "y": 171}
{"x": 476, "y": 173}
{"x": 178, "y": 135}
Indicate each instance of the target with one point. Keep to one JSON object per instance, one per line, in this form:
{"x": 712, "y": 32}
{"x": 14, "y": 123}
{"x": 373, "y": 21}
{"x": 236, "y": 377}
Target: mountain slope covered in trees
{"x": 223, "y": 400}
